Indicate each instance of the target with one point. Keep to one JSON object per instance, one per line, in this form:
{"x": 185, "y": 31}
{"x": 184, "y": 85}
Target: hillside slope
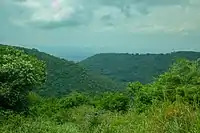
{"x": 65, "y": 76}
{"x": 134, "y": 67}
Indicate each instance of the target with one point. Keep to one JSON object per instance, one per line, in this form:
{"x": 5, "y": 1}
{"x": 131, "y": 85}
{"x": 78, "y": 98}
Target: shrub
{"x": 73, "y": 100}
{"x": 19, "y": 74}
{"x": 114, "y": 101}
{"x": 181, "y": 82}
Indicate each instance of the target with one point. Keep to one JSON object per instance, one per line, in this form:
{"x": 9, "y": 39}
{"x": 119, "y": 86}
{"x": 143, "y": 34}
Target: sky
{"x": 77, "y": 27}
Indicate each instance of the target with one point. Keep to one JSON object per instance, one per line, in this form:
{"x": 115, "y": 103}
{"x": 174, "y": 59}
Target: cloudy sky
{"x": 102, "y": 25}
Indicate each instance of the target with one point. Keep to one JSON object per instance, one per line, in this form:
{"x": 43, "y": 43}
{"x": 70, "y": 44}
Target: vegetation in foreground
{"x": 168, "y": 105}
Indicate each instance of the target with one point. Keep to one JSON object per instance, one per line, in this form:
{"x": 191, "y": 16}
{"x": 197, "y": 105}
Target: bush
{"x": 141, "y": 95}
{"x": 181, "y": 82}
{"x": 73, "y": 100}
{"x": 19, "y": 74}
{"x": 114, "y": 102}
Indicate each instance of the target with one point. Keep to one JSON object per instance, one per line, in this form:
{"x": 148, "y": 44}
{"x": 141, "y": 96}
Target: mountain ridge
{"x": 65, "y": 76}
{"x": 125, "y": 67}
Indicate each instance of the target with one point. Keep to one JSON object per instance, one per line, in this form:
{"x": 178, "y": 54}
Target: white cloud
{"x": 45, "y": 13}
{"x": 142, "y": 16}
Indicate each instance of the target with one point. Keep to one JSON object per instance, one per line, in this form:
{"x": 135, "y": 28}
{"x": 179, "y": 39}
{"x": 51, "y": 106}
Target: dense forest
{"x": 66, "y": 76}
{"x": 134, "y": 67}
{"x": 169, "y": 104}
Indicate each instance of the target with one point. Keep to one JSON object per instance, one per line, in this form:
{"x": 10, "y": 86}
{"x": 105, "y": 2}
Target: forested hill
{"x": 65, "y": 76}
{"x": 134, "y": 67}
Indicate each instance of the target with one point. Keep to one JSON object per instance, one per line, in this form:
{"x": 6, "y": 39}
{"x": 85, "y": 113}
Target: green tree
{"x": 181, "y": 81}
{"x": 141, "y": 95}
{"x": 74, "y": 99}
{"x": 114, "y": 101}
{"x": 19, "y": 74}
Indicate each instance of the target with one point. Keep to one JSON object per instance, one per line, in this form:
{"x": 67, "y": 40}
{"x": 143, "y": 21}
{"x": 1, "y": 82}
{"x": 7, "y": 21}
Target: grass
{"x": 159, "y": 118}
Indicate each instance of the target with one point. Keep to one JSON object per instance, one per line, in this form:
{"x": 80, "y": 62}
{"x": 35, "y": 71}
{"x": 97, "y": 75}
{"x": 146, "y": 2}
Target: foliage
{"x": 140, "y": 95}
{"x": 134, "y": 67}
{"x": 19, "y": 74}
{"x": 64, "y": 77}
{"x": 134, "y": 88}
{"x": 165, "y": 117}
{"x": 170, "y": 104}
{"x": 182, "y": 82}
{"x": 73, "y": 100}
{"x": 34, "y": 98}
{"x": 114, "y": 101}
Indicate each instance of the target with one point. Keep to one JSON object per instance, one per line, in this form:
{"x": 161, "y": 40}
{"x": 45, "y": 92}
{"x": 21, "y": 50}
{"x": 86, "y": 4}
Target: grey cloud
{"x": 84, "y": 17}
{"x": 143, "y": 10}
{"x": 118, "y": 3}
{"x": 142, "y": 5}
{"x": 106, "y": 17}
{"x": 107, "y": 20}
{"x": 126, "y": 11}
{"x": 54, "y": 25}
{"x": 109, "y": 24}
{"x": 78, "y": 19}
{"x": 163, "y": 2}
{"x": 122, "y": 3}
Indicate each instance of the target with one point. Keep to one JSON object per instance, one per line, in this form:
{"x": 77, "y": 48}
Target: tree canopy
{"x": 134, "y": 67}
{"x": 19, "y": 74}
{"x": 65, "y": 76}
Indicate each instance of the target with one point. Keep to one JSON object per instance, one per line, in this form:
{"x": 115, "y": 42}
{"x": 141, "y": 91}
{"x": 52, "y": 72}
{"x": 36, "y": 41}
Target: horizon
{"x": 78, "y": 58}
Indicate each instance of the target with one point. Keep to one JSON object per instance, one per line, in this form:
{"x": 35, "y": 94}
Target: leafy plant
{"x": 19, "y": 74}
{"x": 114, "y": 101}
{"x": 73, "y": 100}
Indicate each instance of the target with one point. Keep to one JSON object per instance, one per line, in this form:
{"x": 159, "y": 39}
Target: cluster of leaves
{"x": 113, "y": 101}
{"x": 73, "y": 100}
{"x": 180, "y": 83}
{"x": 139, "y": 92}
{"x": 19, "y": 74}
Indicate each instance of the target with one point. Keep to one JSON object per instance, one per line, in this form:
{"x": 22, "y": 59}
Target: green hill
{"x": 134, "y": 67}
{"x": 65, "y": 76}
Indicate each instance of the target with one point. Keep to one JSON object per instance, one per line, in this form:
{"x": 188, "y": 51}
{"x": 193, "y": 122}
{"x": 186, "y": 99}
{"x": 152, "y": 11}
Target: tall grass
{"x": 165, "y": 117}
